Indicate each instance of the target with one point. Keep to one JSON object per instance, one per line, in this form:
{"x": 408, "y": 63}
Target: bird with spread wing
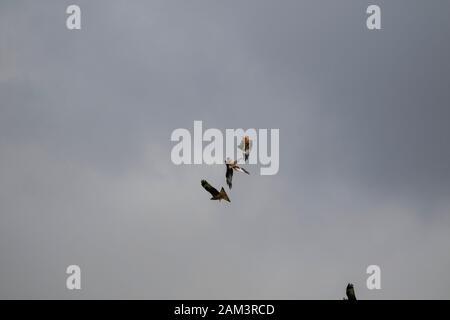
{"x": 231, "y": 166}
{"x": 216, "y": 195}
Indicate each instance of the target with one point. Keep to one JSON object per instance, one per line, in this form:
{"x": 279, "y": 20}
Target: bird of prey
{"x": 231, "y": 166}
{"x": 216, "y": 195}
{"x": 350, "y": 292}
{"x": 245, "y": 146}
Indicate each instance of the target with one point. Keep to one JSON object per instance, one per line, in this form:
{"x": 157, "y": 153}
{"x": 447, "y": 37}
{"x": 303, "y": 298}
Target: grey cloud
{"x": 85, "y": 171}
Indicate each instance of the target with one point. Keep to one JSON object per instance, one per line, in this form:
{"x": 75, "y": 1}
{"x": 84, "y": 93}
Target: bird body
{"x": 216, "y": 195}
{"x": 245, "y": 146}
{"x": 350, "y": 292}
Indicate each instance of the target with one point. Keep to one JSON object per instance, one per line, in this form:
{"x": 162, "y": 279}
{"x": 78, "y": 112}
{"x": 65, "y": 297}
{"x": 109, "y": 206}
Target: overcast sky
{"x": 85, "y": 170}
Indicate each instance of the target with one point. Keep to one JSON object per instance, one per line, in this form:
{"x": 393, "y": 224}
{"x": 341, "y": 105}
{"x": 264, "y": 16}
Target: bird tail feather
{"x": 223, "y": 195}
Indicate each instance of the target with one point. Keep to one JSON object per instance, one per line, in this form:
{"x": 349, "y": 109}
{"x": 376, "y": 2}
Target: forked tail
{"x": 223, "y": 195}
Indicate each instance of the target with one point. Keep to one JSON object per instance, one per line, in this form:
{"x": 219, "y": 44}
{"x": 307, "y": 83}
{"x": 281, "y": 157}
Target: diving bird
{"x": 231, "y": 166}
{"x": 216, "y": 195}
{"x": 350, "y": 292}
{"x": 245, "y": 146}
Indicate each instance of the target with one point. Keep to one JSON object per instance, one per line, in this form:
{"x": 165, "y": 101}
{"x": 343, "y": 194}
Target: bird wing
{"x": 209, "y": 188}
{"x": 351, "y": 294}
{"x": 241, "y": 169}
{"x": 246, "y": 144}
{"x": 229, "y": 176}
{"x": 242, "y": 145}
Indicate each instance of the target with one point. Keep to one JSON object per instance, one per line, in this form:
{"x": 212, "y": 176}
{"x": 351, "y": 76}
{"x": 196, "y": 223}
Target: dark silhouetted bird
{"x": 216, "y": 195}
{"x": 245, "y": 146}
{"x": 350, "y": 292}
{"x": 231, "y": 166}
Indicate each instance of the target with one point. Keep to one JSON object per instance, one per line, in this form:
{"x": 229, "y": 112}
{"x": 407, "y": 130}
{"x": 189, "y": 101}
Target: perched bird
{"x": 231, "y": 166}
{"x": 350, "y": 292}
{"x": 216, "y": 195}
{"x": 245, "y": 146}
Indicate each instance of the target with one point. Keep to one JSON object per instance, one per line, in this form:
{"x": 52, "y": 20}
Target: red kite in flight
{"x": 245, "y": 146}
{"x": 216, "y": 195}
{"x": 232, "y": 165}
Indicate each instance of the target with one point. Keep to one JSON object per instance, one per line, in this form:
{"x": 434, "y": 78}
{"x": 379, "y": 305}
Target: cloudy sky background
{"x": 85, "y": 170}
